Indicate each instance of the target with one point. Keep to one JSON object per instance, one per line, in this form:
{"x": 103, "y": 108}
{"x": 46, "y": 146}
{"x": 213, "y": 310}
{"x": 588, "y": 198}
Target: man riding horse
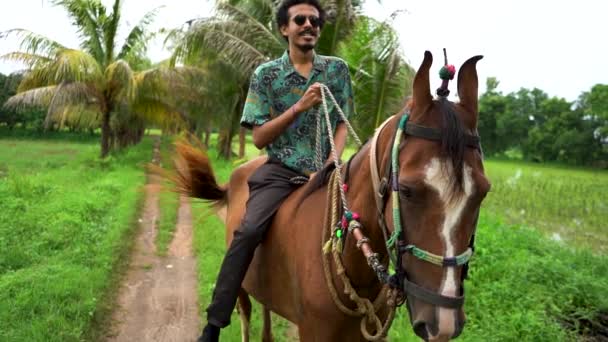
{"x": 279, "y": 110}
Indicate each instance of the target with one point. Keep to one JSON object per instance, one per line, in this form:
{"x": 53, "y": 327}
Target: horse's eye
{"x": 405, "y": 191}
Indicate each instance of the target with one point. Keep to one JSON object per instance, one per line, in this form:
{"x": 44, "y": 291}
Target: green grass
{"x": 571, "y": 203}
{"x": 168, "y": 202}
{"x": 523, "y": 286}
{"x": 66, "y": 224}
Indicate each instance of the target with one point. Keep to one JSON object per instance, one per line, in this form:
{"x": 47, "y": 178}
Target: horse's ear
{"x": 422, "y": 89}
{"x": 468, "y": 84}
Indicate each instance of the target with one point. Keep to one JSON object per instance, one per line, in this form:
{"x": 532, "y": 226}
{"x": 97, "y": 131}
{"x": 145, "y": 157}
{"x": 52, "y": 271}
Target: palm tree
{"x": 99, "y": 78}
{"x": 381, "y": 77}
{"x": 171, "y": 96}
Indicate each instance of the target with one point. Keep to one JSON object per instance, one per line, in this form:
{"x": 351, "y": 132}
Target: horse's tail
{"x": 193, "y": 175}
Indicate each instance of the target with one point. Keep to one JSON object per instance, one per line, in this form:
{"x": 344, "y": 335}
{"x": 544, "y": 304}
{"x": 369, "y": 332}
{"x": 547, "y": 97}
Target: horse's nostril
{"x": 420, "y": 329}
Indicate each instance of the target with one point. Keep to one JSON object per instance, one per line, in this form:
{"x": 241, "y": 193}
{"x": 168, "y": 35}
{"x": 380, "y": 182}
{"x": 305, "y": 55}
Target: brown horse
{"x": 441, "y": 186}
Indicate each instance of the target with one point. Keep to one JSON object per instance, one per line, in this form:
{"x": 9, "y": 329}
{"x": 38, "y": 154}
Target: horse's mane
{"x": 453, "y": 145}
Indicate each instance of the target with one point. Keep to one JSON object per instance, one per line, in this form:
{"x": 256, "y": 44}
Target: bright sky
{"x": 558, "y": 46}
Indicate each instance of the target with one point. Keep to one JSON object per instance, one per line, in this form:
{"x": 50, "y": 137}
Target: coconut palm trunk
{"x": 105, "y": 134}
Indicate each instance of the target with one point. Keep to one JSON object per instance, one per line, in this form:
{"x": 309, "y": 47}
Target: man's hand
{"x": 311, "y": 98}
{"x": 268, "y": 132}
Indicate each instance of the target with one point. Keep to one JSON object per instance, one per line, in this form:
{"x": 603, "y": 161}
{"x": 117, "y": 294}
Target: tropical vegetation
{"x": 92, "y": 87}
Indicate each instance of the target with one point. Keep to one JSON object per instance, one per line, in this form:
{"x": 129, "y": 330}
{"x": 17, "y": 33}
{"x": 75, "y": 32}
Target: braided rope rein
{"x": 333, "y": 237}
{"x": 365, "y": 308}
{"x": 325, "y": 93}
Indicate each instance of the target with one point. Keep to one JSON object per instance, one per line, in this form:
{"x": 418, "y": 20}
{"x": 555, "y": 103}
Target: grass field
{"x": 569, "y": 204}
{"x": 66, "y": 223}
{"x": 523, "y": 286}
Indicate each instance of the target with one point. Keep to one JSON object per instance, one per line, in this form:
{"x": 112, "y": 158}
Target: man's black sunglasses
{"x": 301, "y": 20}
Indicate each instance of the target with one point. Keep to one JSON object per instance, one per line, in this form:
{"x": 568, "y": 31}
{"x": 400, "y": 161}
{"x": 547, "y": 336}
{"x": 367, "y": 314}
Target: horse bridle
{"x": 400, "y": 279}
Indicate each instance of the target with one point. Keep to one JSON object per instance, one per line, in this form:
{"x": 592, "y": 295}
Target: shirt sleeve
{"x": 256, "y": 111}
{"x": 346, "y": 101}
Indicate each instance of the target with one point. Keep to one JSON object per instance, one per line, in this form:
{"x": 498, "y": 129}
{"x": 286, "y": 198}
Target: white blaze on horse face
{"x": 438, "y": 177}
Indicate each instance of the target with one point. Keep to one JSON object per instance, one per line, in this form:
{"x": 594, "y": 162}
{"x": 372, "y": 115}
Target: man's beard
{"x": 305, "y": 47}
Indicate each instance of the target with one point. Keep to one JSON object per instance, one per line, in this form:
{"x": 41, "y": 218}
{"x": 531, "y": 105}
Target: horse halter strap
{"x": 396, "y": 241}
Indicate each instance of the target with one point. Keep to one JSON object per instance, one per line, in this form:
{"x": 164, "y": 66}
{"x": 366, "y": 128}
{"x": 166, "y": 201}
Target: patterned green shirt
{"x": 276, "y": 86}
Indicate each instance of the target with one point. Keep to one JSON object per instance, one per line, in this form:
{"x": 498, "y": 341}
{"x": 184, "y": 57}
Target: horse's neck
{"x": 360, "y": 199}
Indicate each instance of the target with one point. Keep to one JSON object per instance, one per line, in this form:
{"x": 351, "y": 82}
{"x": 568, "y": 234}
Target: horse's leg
{"x": 267, "y": 329}
{"x": 245, "y": 314}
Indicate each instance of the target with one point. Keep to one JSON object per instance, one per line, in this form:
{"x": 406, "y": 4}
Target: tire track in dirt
{"x": 158, "y": 300}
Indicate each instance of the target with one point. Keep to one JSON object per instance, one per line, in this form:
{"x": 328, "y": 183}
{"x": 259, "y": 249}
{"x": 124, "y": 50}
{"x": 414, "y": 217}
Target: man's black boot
{"x": 211, "y": 333}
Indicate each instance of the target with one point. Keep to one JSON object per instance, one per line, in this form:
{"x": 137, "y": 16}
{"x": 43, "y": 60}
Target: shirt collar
{"x": 317, "y": 63}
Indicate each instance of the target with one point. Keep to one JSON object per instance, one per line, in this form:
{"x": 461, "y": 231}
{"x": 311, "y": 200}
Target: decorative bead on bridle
{"x": 446, "y": 73}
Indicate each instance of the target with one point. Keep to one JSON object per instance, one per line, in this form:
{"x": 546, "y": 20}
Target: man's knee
{"x": 250, "y": 231}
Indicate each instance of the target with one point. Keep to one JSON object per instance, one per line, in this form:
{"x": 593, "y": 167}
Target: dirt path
{"x": 158, "y": 300}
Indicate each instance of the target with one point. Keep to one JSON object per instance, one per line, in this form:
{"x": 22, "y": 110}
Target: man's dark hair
{"x": 283, "y": 17}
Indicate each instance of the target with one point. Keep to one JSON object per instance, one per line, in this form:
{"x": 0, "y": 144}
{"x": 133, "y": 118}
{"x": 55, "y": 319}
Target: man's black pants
{"x": 269, "y": 185}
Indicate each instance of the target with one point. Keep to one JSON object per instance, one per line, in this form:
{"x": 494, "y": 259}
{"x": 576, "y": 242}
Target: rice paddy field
{"x": 570, "y": 204}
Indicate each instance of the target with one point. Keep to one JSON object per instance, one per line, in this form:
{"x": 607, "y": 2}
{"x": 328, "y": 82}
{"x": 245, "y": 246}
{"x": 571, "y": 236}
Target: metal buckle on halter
{"x": 382, "y": 187}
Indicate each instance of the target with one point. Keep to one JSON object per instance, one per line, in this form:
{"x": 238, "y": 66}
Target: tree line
{"x": 530, "y": 124}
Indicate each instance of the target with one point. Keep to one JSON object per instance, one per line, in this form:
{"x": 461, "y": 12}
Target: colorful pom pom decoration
{"x": 447, "y": 72}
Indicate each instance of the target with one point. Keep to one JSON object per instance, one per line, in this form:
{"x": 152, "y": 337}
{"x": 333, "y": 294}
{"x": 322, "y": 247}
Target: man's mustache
{"x": 308, "y": 31}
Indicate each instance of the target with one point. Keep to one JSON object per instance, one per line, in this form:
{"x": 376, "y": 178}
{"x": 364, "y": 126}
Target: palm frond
{"x": 175, "y": 41}
{"x": 120, "y": 82}
{"x": 78, "y": 115}
{"x": 232, "y": 40}
{"x": 160, "y": 112}
{"x": 261, "y": 28}
{"x": 139, "y": 36}
{"x": 340, "y": 21}
{"x": 263, "y": 11}
{"x": 73, "y": 66}
{"x": 87, "y": 17}
{"x": 33, "y": 79}
{"x": 35, "y": 44}
{"x": 174, "y": 86}
{"x": 56, "y": 99}
{"x": 69, "y": 66}
{"x": 38, "y": 97}
{"x": 381, "y": 78}
{"x": 82, "y": 116}
{"x": 110, "y": 28}
{"x": 31, "y": 60}
{"x": 68, "y": 96}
